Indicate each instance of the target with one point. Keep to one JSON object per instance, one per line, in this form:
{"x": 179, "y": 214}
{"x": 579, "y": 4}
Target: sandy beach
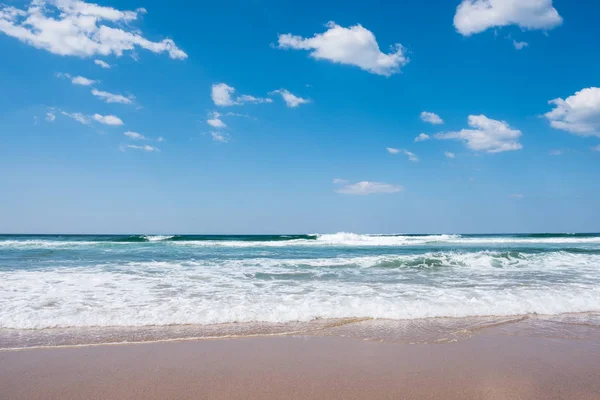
{"x": 491, "y": 364}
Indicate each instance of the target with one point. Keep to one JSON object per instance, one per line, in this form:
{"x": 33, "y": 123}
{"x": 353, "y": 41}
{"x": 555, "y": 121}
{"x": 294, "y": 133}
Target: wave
{"x": 391, "y": 286}
{"x": 342, "y": 239}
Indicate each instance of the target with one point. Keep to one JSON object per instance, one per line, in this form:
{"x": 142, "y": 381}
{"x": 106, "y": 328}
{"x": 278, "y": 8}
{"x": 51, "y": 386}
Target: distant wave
{"x": 342, "y": 239}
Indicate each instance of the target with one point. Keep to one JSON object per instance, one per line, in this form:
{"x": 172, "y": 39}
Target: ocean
{"x": 53, "y": 283}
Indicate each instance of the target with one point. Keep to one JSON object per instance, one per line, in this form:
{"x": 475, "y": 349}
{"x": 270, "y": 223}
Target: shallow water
{"x": 272, "y": 282}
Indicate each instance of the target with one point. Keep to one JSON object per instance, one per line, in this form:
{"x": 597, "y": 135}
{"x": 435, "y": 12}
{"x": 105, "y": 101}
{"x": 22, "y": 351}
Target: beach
{"x": 490, "y": 364}
{"x": 332, "y": 316}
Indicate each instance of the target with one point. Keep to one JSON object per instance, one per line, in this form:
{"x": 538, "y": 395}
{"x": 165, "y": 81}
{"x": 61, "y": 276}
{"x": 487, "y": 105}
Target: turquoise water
{"x": 120, "y": 280}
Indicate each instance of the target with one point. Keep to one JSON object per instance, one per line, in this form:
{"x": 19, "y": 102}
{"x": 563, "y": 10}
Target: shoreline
{"x": 493, "y": 363}
{"x": 407, "y": 331}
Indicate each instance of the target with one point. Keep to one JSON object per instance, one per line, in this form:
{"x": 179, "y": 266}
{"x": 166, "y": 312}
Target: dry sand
{"x": 490, "y": 365}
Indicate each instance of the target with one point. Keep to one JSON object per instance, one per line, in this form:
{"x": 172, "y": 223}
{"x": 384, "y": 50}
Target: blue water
{"x": 121, "y": 280}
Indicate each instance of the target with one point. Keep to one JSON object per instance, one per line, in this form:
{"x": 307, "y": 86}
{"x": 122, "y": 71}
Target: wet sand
{"x": 489, "y": 365}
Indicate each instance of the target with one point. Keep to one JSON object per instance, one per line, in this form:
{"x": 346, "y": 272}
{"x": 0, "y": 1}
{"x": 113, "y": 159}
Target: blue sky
{"x": 270, "y": 116}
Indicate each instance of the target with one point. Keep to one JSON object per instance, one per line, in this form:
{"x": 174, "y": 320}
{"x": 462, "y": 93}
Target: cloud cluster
{"x": 77, "y": 28}
{"x": 365, "y": 187}
{"x": 475, "y": 16}
{"x": 87, "y": 119}
{"x": 578, "y": 114}
{"x": 487, "y": 135}
{"x": 352, "y": 46}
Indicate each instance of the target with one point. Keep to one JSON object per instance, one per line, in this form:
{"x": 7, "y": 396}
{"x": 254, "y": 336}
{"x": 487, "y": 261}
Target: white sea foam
{"x": 392, "y": 286}
{"x": 340, "y": 239}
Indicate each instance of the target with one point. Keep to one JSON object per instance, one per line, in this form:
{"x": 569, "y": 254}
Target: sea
{"x": 87, "y": 289}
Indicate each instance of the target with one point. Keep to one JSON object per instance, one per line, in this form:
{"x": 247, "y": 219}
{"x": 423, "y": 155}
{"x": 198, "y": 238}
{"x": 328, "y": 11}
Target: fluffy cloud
{"x": 219, "y": 137}
{"x": 103, "y": 64}
{"x": 475, "y": 16}
{"x": 134, "y": 135}
{"x": 432, "y": 118}
{"x": 449, "y": 154}
{"x": 422, "y": 137}
{"x": 578, "y": 114}
{"x": 222, "y": 95}
{"x": 76, "y": 28}
{"x": 290, "y": 99}
{"x": 353, "y": 46}
{"x": 77, "y": 80}
{"x": 214, "y": 120}
{"x": 107, "y": 119}
{"x": 487, "y": 135}
{"x": 112, "y": 98}
{"x": 50, "y": 117}
{"x": 146, "y": 148}
{"x": 366, "y": 187}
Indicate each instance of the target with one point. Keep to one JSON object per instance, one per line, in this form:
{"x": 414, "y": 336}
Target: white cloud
{"x": 76, "y": 28}
{"x": 291, "y": 100}
{"x": 112, "y": 98}
{"x": 432, "y": 118}
{"x": 449, "y": 154}
{"x": 578, "y": 114}
{"x": 353, "y": 46}
{"x": 134, "y": 135}
{"x": 77, "y": 80}
{"x": 392, "y": 150}
{"x": 83, "y": 119}
{"x": 146, "y": 148}
{"x": 222, "y": 95}
{"x": 411, "y": 156}
{"x": 488, "y": 135}
{"x": 339, "y": 181}
{"x": 246, "y": 98}
{"x": 219, "y": 137}
{"x": 214, "y": 120}
{"x": 366, "y": 187}
{"x": 107, "y": 119}
{"x": 103, "y": 64}
{"x": 422, "y": 137}
{"x": 160, "y": 139}
{"x": 520, "y": 45}
{"x": 475, "y": 16}
{"x": 50, "y": 117}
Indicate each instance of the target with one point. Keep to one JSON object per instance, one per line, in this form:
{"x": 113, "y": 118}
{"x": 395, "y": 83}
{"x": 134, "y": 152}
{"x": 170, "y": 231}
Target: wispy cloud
{"x": 520, "y": 45}
{"x": 50, "y": 117}
{"x": 366, "y": 188}
{"x": 392, "y": 150}
{"x": 79, "y": 117}
{"x": 214, "y": 120}
{"x": 134, "y": 135}
{"x": 112, "y": 98}
{"x": 449, "y": 154}
{"x": 516, "y": 196}
{"x": 219, "y": 137}
{"x": 146, "y": 148}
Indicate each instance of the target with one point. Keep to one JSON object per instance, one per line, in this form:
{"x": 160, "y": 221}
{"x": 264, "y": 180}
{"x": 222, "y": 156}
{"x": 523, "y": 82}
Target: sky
{"x": 142, "y": 116}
